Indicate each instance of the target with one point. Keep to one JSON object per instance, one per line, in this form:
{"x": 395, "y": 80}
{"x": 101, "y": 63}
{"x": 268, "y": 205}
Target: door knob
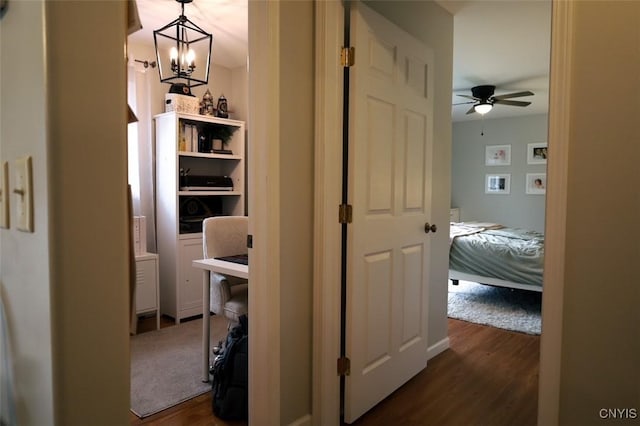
{"x": 430, "y": 228}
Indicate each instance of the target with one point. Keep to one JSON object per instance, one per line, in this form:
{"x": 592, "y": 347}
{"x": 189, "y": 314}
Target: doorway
{"x": 519, "y": 130}
{"x": 326, "y": 298}
{"x": 180, "y": 211}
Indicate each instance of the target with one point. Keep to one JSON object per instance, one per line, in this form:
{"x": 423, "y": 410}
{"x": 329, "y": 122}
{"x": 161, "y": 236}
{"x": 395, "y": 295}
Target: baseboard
{"x": 302, "y": 421}
{"x": 438, "y": 348}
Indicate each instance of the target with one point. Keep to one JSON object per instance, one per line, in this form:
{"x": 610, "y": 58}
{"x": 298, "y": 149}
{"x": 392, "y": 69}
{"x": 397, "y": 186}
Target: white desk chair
{"x": 226, "y": 236}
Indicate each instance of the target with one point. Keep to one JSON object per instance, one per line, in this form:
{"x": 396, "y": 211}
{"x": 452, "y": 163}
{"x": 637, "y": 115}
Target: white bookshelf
{"x": 178, "y": 243}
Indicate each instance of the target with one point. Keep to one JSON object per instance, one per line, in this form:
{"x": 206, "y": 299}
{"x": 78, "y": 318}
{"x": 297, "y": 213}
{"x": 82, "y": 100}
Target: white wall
{"x": 468, "y": 170}
{"x": 281, "y": 128}
{"x": 296, "y": 213}
{"x": 89, "y": 229}
{"x": 65, "y": 285}
{"x": 239, "y": 93}
{"x": 590, "y": 343}
{"x": 25, "y": 269}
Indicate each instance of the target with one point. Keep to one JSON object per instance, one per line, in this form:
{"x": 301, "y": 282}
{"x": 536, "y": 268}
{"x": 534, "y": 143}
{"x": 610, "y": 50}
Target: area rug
{"x": 509, "y": 309}
{"x": 166, "y": 365}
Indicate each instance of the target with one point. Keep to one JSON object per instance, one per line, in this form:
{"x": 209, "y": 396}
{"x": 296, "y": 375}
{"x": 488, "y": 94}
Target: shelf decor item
{"x": 181, "y": 103}
{"x": 215, "y": 138}
{"x": 183, "y": 51}
{"x": 222, "y": 132}
{"x": 217, "y": 145}
{"x": 222, "y": 109}
{"x": 206, "y": 106}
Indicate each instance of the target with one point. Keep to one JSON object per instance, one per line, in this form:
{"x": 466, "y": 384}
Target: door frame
{"x": 327, "y": 230}
{"x": 264, "y": 212}
{"x": 326, "y": 402}
{"x": 328, "y": 155}
{"x": 556, "y": 211}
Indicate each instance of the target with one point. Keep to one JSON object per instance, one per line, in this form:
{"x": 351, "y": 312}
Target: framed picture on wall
{"x": 497, "y": 184}
{"x": 536, "y": 183}
{"x": 537, "y": 153}
{"x": 497, "y": 155}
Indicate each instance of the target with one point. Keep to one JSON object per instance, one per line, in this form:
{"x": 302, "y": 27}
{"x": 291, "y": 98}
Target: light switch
{"x": 4, "y": 195}
{"x": 23, "y": 189}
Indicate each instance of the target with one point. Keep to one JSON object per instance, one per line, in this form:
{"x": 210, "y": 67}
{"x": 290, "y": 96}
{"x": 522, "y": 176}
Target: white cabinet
{"x": 190, "y": 288}
{"x": 195, "y": 178}
{"x": 147, "y": 295}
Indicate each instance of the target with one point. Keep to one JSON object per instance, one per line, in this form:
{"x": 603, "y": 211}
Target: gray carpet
{"x": 166, "y": 365}
{"x": 510, "y": 309}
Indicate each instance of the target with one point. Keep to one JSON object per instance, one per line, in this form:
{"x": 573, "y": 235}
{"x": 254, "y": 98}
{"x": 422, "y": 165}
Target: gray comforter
{"x": 510, "y": 254}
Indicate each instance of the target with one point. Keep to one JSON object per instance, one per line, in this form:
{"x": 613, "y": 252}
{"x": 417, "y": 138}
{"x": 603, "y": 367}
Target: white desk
{"x": 221, "y": 267}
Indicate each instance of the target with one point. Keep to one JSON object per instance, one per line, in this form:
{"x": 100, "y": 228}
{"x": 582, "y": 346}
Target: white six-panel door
{"x": 390, "y": 133}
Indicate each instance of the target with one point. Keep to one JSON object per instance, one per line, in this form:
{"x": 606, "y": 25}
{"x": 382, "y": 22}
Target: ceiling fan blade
{"x": 512, "y": 103}
{"x": 469, "y": 97}
{"x": 464, "y": 103}
{"x": 472, "y": 110}
{"x": 513, "y": 95}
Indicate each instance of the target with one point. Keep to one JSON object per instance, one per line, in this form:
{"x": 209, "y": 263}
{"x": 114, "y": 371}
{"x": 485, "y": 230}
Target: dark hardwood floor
{"x": 487, "y": 377}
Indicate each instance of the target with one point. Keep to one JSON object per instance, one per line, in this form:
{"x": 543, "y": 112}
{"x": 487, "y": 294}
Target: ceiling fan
{"x": 483, "y": 99}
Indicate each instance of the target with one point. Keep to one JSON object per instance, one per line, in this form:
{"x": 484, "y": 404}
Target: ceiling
{"x": 227, "y": 20}
{"x": 502, "y": 43}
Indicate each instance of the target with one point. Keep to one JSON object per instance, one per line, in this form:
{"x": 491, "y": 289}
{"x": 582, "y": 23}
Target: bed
{"x": 494, "y": 254}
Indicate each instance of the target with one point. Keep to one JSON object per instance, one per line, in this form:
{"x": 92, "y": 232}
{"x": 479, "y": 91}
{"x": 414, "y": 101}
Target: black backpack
{"x": 231, "y": 375}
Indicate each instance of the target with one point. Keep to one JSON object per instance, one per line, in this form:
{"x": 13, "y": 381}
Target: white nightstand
{"x": 147, "y": 293}
{"x": 454, "y": 214}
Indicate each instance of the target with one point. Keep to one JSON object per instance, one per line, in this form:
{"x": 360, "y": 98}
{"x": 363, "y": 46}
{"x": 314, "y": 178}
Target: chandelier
{"x": 183, "y": 52}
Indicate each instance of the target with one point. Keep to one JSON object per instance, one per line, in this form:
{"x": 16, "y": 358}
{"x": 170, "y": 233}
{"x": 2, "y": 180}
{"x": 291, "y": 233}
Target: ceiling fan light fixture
{"x": 483, "y": 108}
{"x": 183, "y": 51}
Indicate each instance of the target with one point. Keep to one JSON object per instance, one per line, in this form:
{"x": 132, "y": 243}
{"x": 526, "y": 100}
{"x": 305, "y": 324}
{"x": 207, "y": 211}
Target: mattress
{"x": 509, "y": 254}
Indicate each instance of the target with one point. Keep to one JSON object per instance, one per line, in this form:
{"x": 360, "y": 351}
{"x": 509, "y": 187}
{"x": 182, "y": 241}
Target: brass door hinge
{"x": 344, "y": 366}
{"x": 348, "y": 56}
{"x": 345, "y": 213}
